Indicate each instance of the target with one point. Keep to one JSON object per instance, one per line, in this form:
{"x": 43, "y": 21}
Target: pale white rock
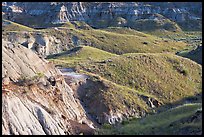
{"x": 39, "y": 110}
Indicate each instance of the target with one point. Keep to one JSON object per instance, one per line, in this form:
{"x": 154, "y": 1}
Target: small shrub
{"x": 25, "y": 80}
{"x": 37, "y": 76}
{"x": 181, "y": 70}
{"x": 132, "y": 82}
{"x": 107, "y": 126}
{"x": 184, "y": 72}
{"x": 124, "y": 122}
{"x": 145, "y": 43}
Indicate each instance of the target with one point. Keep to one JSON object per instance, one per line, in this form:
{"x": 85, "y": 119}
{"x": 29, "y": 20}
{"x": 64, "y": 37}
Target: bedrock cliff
{"x": 36, "y": 98}
{"x": 103, "y": 14}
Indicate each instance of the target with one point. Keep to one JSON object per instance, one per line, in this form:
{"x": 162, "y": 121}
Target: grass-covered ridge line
{"x": 116, "y": 42}
{"x": 12, "y": 26}
{"x": 152, "y": 25}
{"x": 152, "y": 73}
{"x": 170, "y": 122}
{"x": 194, "y": 54}
{"x": 120, "y": 41}
{"x": 84, "y": 54}
{"x": 193, "y": 38}
{"x": 106, "y": 95}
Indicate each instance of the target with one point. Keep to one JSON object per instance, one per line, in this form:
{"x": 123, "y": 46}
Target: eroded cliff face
{"x": 99, "y": 13}
{"x": 18, "y": 61}
{"x": 42, "y": 44}
{"x": 36, "y": 98}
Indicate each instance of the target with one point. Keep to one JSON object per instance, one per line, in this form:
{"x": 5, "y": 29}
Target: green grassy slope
{"x": 153, "y": 74}
{"x": 174, "y": 35}
{"x": 194, "y": 54}
{"x": 192, "y": 38}
{"x": 117, "y": 42}
{"x": 101, "y": 95}
{"x": 81, "y": 55}
{"x": 171, "y": 122}
{"x": 152, "y": 25}
{"x": 12, "y": 26}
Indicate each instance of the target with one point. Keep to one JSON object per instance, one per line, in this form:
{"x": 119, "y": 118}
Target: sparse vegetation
{"x": 27, "y": 81}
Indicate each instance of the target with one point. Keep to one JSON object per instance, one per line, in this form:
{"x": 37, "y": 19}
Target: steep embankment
{"x": 36, "y": 98}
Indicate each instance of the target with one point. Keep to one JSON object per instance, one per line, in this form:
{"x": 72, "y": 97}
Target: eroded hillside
{"x": 35, "y": 97}
{"x": 78, "y": 68}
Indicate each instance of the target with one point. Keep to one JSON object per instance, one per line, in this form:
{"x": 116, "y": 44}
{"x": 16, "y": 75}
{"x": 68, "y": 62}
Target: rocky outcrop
{"x": 31, "y": 103}
{"x": 18, "y": 61}
{"x": 99, "y": 13}
{"x": 42, "y": 44}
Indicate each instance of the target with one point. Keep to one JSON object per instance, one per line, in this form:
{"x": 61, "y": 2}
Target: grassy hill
{"x": 124, "y": 30}
{"x": 120, "y": 82}
{"x": 80, "y": 54}
{"x": 193, "y": 38}
{"x": 152, "y": 25}
{"x": 153, "y": 74}
{"x": 170, "y": 122}
{"x": 117, "y": 42}
{"x": 174, "y": 35}
{"x": 100, "y": 96}
{"x": 194, "y": 54}
{"x": 12, "y": 26}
